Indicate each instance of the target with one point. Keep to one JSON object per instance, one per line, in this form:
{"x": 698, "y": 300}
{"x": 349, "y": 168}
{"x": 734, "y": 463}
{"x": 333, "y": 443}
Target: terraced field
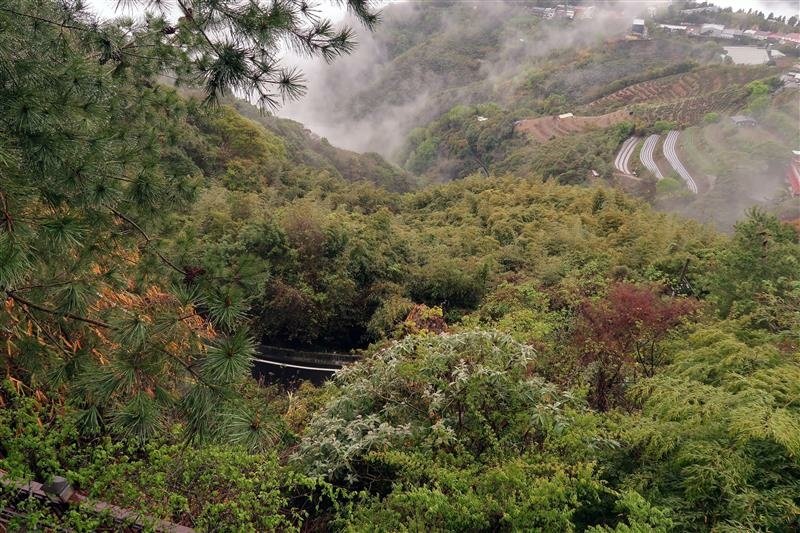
{"x": 688, "y": 111}
{"x": 684, "y": 112}
{"x": 679, "y": 86}
{"x": 681, "y": 102}
{"x": 544, "y": 129}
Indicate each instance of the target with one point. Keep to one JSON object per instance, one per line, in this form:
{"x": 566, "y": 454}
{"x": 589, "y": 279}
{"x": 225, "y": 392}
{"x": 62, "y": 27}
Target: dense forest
{"x": 538, "y": 351}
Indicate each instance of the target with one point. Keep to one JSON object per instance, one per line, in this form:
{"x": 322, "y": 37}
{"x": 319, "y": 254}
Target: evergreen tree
{"x": 234, "y": 46}
{"x": 94, "y": 309}
{"x": 761, "y": 260}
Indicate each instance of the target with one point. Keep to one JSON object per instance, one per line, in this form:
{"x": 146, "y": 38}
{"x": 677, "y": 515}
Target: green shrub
{"x": 668, "y": 185}
{"x": 663, "y": 126}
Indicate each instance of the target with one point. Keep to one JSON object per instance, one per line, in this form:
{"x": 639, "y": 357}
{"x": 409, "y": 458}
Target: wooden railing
{"x": 124, "y": 519}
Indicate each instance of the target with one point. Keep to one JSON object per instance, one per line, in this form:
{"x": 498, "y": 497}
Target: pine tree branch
{"x": 188, "y": 367}
{"x": 9, "y": 220}
{"x": 187, "y": 12}
{"x": 43, "y": 309}
{"x": 148, "y": 239}
{"x": 48, "y": 285}
{"x": 45, "y": 331}
{"x": 177, "y": 321}
{"x": 47, "y": 21}
{"x": 139, "y": 56}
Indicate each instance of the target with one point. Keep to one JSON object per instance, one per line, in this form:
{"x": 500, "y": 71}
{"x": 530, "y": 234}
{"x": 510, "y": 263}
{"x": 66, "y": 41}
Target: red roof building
{"x": 792, "y": 38}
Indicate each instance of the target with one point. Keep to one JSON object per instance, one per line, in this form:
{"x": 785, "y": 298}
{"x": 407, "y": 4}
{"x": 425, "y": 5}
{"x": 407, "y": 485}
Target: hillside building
{"x": 730, "y": 33}
{"x": 698, "y": 10}
{"x": 711, "y": 29}
{"x": 673, "y": 28}
{"x": 564, "y": 11}
{"x": 719, "y": 31}
{"x": 793, "y": 38}
{"x": 791, "y": 79}
{"x": 585, "y": 12}
{"x": 747, "y": 55}
{"x": 742, "y": 120}
{"x": 775, "y": 54}
{"x": 638, "y": 28}
{"x": 543, "y": 12}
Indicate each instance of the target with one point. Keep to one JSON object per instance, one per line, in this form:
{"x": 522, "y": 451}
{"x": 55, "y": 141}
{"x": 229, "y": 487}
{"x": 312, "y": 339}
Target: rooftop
{"x": 743, "y": 119}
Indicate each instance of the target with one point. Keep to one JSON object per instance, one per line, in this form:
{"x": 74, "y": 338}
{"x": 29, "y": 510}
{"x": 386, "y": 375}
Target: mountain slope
{"x": 305, "y": 147}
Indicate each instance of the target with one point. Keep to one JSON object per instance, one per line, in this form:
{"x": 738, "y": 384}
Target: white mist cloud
{"x": 371, "y": 122}
{"x": 384, "y": 125}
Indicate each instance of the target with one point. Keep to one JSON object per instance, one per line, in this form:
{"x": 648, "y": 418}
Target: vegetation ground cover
{"x": 540, "y": 351}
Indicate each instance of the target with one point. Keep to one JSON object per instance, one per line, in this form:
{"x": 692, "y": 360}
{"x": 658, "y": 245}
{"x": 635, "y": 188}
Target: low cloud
{"x": 372, "y": 99}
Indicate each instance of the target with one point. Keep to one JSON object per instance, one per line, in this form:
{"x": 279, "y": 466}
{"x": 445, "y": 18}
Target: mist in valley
{"x": 427, "y": 58}
{"x": 369, "y": 101}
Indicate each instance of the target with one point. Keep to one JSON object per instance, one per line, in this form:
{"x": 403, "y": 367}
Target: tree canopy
{"x": 91, "y": 165}
{"x": 535, "y": 353}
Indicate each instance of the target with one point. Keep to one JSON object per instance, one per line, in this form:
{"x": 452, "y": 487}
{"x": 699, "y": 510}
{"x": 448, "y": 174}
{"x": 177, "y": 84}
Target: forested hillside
{"x": 429, "y": 59}
{"x": 538, "y": 350}
{"x": 446, "y": 92}
{"x": 624, "y": 88}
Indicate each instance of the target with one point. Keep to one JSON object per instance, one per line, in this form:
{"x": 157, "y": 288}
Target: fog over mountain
{"x": 421, "y": 64}
{"x": 426, "y": 60}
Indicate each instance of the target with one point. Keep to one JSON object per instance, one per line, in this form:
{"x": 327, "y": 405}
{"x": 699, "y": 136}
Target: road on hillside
{"x": 621, "y": 162}
{"x": 672, "y": 157}
{"x": 646, "y": 156}
{"x": 290, "y": 367}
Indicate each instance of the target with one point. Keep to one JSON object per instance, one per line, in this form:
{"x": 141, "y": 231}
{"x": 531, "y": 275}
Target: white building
{"x": 711, "y": 28}
{"x": 673, "y": 28}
